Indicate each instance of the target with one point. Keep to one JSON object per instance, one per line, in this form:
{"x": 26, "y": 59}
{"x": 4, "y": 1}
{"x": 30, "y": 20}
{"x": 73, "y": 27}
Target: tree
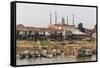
{"x": 80, "y": 27}
{"x": 95, "y": 27}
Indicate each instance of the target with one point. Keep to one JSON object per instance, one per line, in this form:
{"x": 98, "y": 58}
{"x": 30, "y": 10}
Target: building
{"x": 75, "y": 34}
{"x": 23, "y": 32}
{"x": 56, "y": 31}
{"x": 61, "y": 25}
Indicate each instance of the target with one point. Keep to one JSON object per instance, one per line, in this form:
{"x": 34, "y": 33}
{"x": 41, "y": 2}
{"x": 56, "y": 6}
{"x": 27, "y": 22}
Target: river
{"x": 58, "y": 59}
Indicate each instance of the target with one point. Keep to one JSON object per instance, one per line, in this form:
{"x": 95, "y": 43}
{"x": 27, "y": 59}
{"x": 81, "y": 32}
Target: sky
{"x": 38, "y": 15}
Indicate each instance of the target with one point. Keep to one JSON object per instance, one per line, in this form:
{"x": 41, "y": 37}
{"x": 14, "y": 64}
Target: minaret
{"x": 55, "y": 18}
{"x": 73, "y": 18}
{"x": 67, "y": 20}
{"x": 63, "y": 20}
{"x": 50, "y": 18}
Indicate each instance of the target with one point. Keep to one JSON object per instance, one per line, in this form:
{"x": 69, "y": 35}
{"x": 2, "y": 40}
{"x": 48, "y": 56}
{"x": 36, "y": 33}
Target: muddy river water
{"x": 58, "y": 59}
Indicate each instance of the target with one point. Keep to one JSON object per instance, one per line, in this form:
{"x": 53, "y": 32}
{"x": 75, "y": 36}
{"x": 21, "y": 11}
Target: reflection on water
{"x": 57, "y": 59}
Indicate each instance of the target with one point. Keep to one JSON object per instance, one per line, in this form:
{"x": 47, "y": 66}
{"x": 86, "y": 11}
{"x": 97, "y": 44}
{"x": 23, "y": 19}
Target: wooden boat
{"x": 83, "y": 52}
{"x": 47, "y": 55}
{"x": 26, "y": 54}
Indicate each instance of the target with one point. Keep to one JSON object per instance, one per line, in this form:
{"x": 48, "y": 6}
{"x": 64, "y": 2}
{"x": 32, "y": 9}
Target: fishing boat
{"x": 83, "y": 52}
{"x": 37, "y": 54}
{"x": 47, "y": 55}
{"x": 25, "y": 54}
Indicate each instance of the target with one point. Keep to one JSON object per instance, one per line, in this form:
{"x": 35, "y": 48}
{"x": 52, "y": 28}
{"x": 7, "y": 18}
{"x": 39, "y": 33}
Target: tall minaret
{"x": 63, "y": 20}
{"x": 67, "y": 20}
{"x": 55, "y": 17}
{"x": 73, "y": 18}
{"x": 50, "y": 18}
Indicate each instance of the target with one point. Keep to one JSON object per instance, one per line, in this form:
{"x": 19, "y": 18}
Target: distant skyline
{"x": 38, "y": 15}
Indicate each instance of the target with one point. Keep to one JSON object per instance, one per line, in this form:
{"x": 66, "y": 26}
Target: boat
{"x": 25, "y": 54}
{"x": 37, "y": 54}
{"x": 83, "y": 52}
{"x": 47, "y": 55}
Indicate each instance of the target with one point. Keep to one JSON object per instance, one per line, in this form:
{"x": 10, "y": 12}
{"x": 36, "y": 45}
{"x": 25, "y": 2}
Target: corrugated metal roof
{"x": 76, "y": 32}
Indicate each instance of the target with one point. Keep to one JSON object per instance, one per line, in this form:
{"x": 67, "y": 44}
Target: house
{"x": 74, "y": 34}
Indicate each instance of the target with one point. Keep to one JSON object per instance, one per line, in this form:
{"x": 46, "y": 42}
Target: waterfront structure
{"x": 23, "y": 32}
{"x": 54, "y": 31}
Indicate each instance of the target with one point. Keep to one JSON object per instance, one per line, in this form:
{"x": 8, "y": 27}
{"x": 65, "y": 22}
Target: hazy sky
{"x": 38, "y": 15}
